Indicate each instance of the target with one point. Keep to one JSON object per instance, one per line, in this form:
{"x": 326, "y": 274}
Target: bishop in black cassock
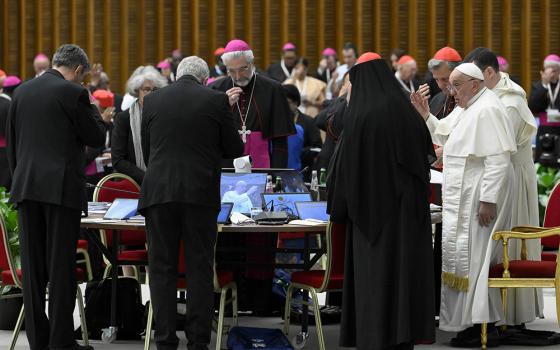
{"x": 259, "y": 103}
{"x": 378, "y": 186}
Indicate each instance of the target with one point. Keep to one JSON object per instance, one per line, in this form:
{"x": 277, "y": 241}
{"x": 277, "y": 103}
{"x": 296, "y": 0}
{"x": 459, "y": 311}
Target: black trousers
{"x": 167, "y": 225}
{"x": 48, "y": 240}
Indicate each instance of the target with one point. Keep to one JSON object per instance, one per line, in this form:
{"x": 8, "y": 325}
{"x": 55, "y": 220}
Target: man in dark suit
{"x": 50, "y": 122}
{"x": 186, "y": 131}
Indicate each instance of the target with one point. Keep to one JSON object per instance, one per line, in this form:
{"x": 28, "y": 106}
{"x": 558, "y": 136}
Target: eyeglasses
{"x": 148, "y": 89}
{"x": 243, "y": 69}
{"x": 457, "y": 87}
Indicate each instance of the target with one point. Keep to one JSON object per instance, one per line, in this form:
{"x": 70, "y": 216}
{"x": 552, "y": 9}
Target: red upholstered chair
{"x": 223, "y": 282}
{"x": 524, "y": 273}
{"x": 82, "y": 251}
{"x": 125, "y": 187}
{"x": 11, "y": 277}
{"x": 551, "y": 219}
{"x": 319, "y": 281}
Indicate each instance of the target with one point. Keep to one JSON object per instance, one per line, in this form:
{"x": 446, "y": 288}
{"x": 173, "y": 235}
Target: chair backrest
{"x": 336, "y": 245}
{"x": 7, "y": 261}
{"x": 552, "y": 217}
{"x": 114, "y": 186}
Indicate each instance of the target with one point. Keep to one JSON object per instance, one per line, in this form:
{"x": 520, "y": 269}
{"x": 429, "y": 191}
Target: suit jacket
{"x": 122, "y": 148}
{"x": 187, "y": 129}
{"x": 50, "y": 122}
{"x": 5, "y": 177}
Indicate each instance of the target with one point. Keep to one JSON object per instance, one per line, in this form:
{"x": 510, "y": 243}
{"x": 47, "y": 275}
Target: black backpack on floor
{"x": 130, "y": 311}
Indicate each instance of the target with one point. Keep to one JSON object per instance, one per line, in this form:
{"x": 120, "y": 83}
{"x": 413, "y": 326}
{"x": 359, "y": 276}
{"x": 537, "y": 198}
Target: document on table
{"x": 308, "y": 222}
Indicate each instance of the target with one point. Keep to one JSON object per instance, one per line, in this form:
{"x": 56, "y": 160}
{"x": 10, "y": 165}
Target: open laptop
{"x": 312, "y": 210}
{"x": 284, "y": 201}
{"x": 121, "y": 209}
{"x": 243, "y": 190}
{"x": 225, "y": 212}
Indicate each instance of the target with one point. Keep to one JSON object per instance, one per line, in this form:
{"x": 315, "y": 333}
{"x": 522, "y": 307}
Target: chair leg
{"x": 86, "y": 262}
{"x": 234, "y": 304}
{"x": 107, "y": 271}
{"x": 318, "y": 323}
{"x": 149, "y": 322}
{"x": 287, "y": 307}
{"x": 83, "y": 324}
{"x": 504, "y": 305}
{"x": 220, "y": 329}
{"x": 558, "y": 300}
{"x": 17, "y": 329}
{"x": 484, "y": 335}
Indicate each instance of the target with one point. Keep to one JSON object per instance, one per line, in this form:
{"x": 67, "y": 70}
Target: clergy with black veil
{"x": 379, "y": 186}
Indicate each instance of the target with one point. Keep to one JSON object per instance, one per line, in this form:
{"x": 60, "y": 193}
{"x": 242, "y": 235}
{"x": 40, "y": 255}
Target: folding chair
{"x": 109, "y": 188}
{"x": 319, "y": 281}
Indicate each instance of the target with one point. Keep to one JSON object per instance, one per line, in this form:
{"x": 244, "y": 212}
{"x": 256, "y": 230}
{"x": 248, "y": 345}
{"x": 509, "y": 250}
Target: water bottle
{"x": 269, "y": 184}
{"x": 279, "y": 186}
{"x": 314, "y": 185}
{"x": 323, "y": 177}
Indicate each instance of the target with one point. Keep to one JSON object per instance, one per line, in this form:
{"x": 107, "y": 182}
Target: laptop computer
{"x": 225, "y": 212}
{"x": 121, "y": 209}
{"x": 243, "y": 190}
{"x": 312, "y": 210}
{"x": 284, "y": 201}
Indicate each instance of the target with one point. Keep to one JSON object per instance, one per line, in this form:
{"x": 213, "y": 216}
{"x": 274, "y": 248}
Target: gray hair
{"x": 71, "y": 56}
{"x": 226, "y": 57}
{"x": 147, "y": 73}
{"x": 195, "y": 66}
{"x": 435, "y": 64}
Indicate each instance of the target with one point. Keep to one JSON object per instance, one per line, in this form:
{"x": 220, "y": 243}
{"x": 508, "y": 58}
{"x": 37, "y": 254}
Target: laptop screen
{"x": 225, "y": 211}
{"x": 243, "y": 190}
{"x": 122, "y": 208}
{"x": 312, "y": 210}
{"x": 284, "y": 201}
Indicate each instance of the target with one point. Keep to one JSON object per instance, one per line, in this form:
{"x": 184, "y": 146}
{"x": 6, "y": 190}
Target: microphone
{"x": 88, "y": 185}
{"x": 304, "y": 170}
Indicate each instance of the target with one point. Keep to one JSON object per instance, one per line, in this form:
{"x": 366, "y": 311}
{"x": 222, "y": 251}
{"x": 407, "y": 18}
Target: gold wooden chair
{"x": 523, "y": 273}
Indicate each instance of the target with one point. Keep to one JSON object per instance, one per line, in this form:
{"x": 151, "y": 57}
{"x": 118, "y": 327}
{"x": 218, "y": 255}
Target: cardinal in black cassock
{"x": 378, "y": 186}
{"x": 261, "y": 107}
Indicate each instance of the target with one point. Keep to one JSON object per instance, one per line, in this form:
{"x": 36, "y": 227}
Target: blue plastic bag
{"x": 249, "y": 338}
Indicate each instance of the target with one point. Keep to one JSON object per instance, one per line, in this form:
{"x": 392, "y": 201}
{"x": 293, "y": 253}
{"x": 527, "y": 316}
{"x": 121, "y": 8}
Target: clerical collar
{"x": 6, "y": 97}
{"x": 473, "y": 100}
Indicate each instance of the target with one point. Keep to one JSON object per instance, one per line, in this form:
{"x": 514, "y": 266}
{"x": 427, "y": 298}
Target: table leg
{"x": 305, "y": 296}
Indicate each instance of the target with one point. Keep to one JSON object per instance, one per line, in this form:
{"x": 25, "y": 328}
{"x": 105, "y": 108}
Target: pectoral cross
{"x": 244, "y": 132}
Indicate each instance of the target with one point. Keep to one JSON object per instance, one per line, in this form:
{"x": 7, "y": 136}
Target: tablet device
{"x": 312, "y": 210}
{"x": 284, "y": 201}
{"x": 225, "y": 212}
{"x": 122, "y": 208}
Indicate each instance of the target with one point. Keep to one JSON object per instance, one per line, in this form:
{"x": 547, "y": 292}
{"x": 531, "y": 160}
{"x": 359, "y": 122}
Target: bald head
{"x": 41, "y": 63}
{"x": 408, "y": 70}
{"x": 463, "y": 87}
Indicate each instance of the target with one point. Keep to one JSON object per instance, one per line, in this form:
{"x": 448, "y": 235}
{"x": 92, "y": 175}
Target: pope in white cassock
{"x": 524, "y": 304}
{"x": 477, "y": 195}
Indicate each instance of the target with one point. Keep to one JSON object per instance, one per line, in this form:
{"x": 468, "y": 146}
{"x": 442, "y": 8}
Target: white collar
{"x": 475, "y": 97}
{"x": 6, "y": 97}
